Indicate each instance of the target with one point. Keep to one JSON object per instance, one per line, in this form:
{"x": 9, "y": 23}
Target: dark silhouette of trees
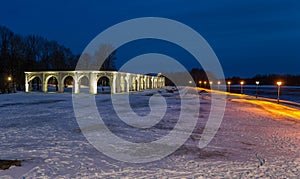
{"x": 29, "y": 53}
{"x": 269, "y": 79}
{"x": 181, "y": 78}
{"x": 201, "y": 75}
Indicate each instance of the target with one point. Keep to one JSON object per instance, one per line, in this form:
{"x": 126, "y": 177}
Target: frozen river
{"x": 289, "y": 93}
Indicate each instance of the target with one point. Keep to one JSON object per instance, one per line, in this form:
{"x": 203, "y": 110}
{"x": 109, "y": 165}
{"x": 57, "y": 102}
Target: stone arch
{"x": 67, "y": 83}
{"x": 50, "y": 76}
{"x": 35, "y": 83}
{"x": 151, "y": 82}
{"x": 82, "y": 76}
{"x": 154, "y": 82}
{"x": 126, "y": 87}
{"x": 103, "y": 84}
{"x": 51, "y": 83}
{"x": 137, "y": 84}
{"x": 134, "y": 84}
{"x": 158, "y": 83}
{"x": 35, "y": 76}
{"x": 143, "y": 83}
{"x": 84, "y": 84}
{"x": 147, "y": 82}
{"x": 104, "y": 80}
{"x": 123, "y": 84}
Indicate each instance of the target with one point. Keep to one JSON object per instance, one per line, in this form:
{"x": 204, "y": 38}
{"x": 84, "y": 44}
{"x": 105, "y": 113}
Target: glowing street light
{"x": 279, "y": 83}
{"x": 242, "y": 84}
{"x": 200, "y": 82}
{"x": 10, "y": 84}
{"x": 205, "y": 84}
{"x": 210, "y": 84}
{"x": 219, "y": 82}
{"x": 190, "y": 82}
{"x": 257, "y": 83}
{"x": 229, "y": 83}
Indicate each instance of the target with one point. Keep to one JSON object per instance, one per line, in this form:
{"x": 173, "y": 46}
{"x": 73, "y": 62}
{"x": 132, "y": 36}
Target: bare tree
{"x": 106, "y": 55}
{"x": 85, "y": 62}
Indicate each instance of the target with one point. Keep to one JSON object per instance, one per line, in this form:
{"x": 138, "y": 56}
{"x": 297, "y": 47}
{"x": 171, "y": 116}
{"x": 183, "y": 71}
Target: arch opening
{"x": 136, "y": 85}
{"x": 84, "y": 85}
{"x": 68, "y": 83}
{"x": 132, "y": 85}
{"x": 35, "y": 84}
{"x": 123, "y": 84}
{"x": 52, "y": 84}
{"x": 150, "y": 83}
{"x": 103, "y": 85}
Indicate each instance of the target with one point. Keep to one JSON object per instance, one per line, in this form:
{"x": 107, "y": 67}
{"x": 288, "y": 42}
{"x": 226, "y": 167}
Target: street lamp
{"x": 219, "y": 82}
{"x": 279, "y": 83}
{"x": 242, "y": 83}
{"x": 200, "y": 82}
{"x": 9, "y": 85}
{"x": 205, "y": 84}
{"x": 229, "y": 83}
{"x": 210, "y": 84}
{"x": 257, "y": 83}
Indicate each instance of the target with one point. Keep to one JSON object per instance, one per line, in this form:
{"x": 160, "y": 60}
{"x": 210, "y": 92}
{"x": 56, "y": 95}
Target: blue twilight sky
{"x": 249, "y": 37}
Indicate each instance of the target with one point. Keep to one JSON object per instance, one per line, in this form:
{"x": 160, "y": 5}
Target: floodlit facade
{"x": 119, "y": 82}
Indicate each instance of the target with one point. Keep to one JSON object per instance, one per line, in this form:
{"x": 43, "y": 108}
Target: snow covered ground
{"x": 252, "y": 141}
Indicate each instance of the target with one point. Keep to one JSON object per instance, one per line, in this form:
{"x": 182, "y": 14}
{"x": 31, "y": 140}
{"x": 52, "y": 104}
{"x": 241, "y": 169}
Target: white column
{"x": 134, "y": 83}
{"x": 152, "y": 81}
{"x": 44, "y": 83}
{"x": 93, "y": 83}
{"x": 127, "y": 83}
{"x": 113, "y": 84}
{"x": 147, "y": 82}
{"x": 118, "y": 83}
{"x": 76, "y": 84}
{"x": 60, "y": 83}
{"x": 26, "y": 83}
{"x": 122, "y": 84}
{"x": 159, "y": 82}
{"x": 142, "y": 83}
{"x": 162, "y": 82}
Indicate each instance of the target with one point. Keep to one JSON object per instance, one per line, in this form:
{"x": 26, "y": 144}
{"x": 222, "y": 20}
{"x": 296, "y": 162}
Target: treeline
{"x": 201, "y": 75}
{"x": 182, "y": 78}
{"x": 271, "y": 79}
{"x": 29, "y": 53}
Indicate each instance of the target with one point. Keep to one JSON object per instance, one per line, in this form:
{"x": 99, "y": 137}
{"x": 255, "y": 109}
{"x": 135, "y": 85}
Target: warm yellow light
{"x": 205, "y": 82}
{"x": 211, "y": 82}
{"x": 279, "y": 83}
{"x": 190, "y": 82}
{"x": 219, "y": 82}
{"x": 257, "y": 82}
{"x": 9, "y": 78}
{"x": 242, "y": 82}
{"x": 200, "y": 82}
{"x": 228, "y": 82}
